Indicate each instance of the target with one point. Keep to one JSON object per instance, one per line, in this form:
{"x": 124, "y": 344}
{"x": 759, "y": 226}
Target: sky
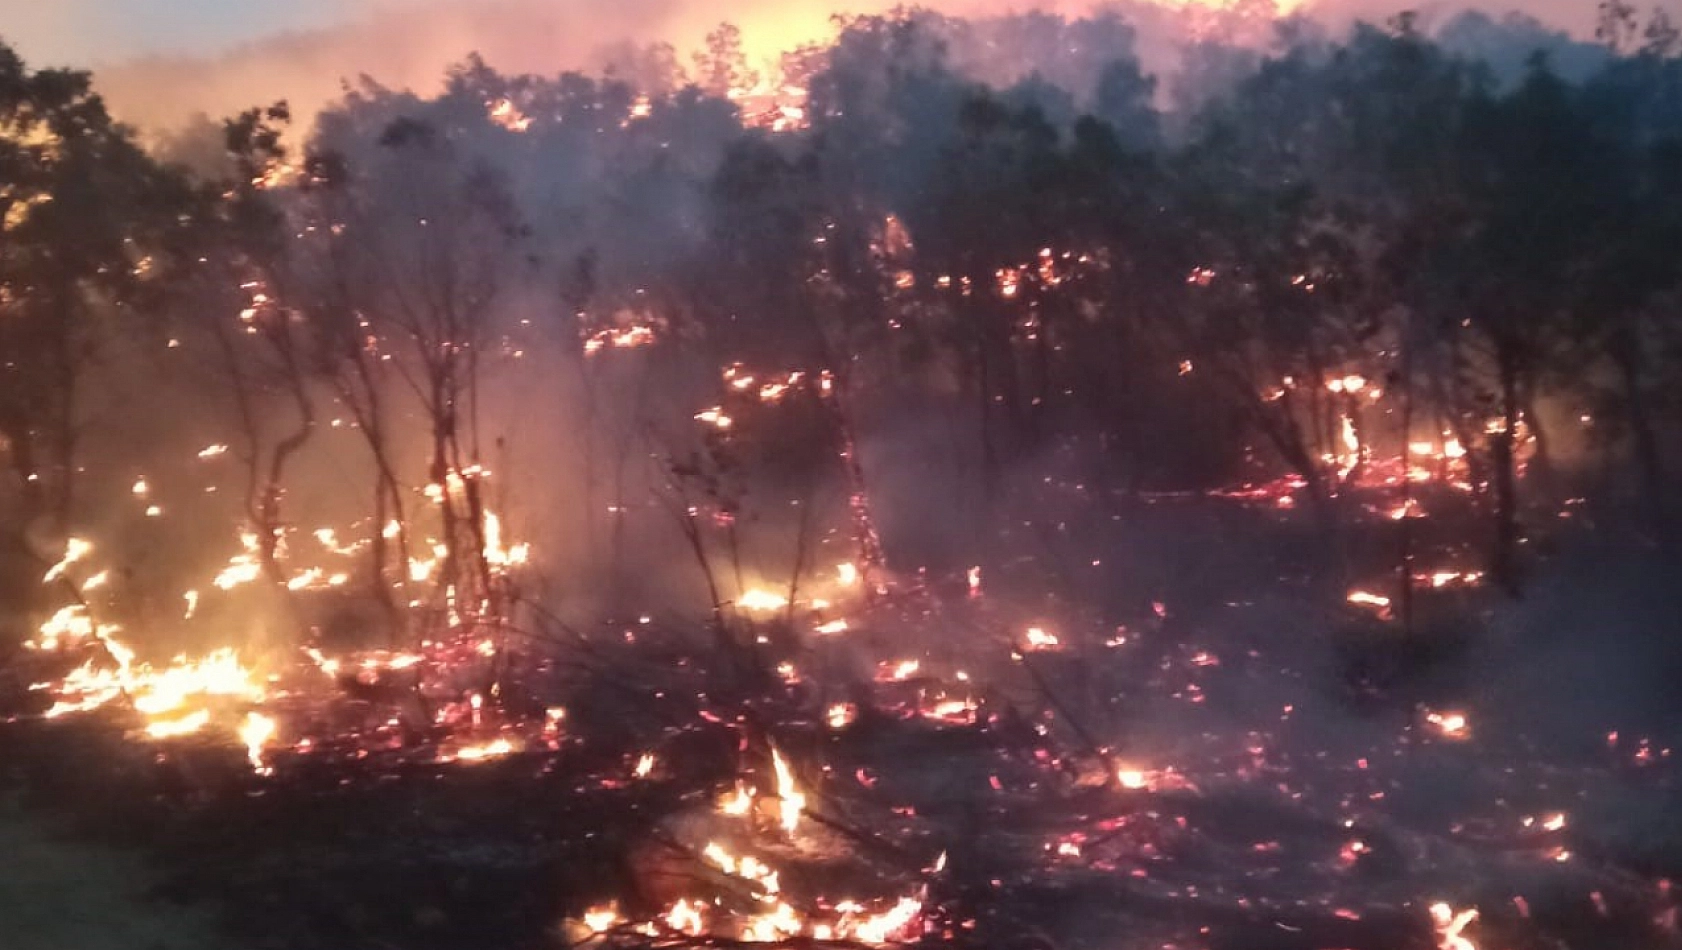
{"x": 97, "y": 32}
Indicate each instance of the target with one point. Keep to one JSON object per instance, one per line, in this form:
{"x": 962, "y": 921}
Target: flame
{"x": 1131, "y": 778}
{"x": 601, "y": 919}
{"x": 255, "y": 732}
{"x": 504, "y": 113}
{"x": 173, "y": 699}
{"x": 618, "y": 338}
{"x": 899, "y": 670}
{"x": 496, "y": 554}
{"x": 714, "y": 417}
{"x": 1449, "y": 924}
{"x": 951, "y": 710}
{"x": 888, "y": 925}
{"x": 218, "y": 673}
{"x": 1039, "y": 639}
{"x": 780, "y": 923}
{"x": 70, "y": 623}
{"x": 748, "y": 868}
{"x": 1440, "y": 579}
{"x": 74, "y": 550}
{"x": 186, "y": 725}
{"x": 791, "y": 801}
{"x": 479, "y": 752}
{"x": 645, "y": 765}
{"x": 1451, "y": 725}
{"x": 1379, "y": 602}
{"x": 739, "y": 802}
{"x": 1350, "y": 457}
{"x": 759, "y": 600}
{"x": 243, "y": 568}
{"x": 846, "y": 574}
{"x": 687, "y": 917}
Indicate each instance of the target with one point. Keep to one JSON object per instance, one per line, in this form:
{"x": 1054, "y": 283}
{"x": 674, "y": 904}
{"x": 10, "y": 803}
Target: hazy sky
{"x": 159, "y": 62}
{"x": 95, "y": 32}
{"x": 51, "y": 32}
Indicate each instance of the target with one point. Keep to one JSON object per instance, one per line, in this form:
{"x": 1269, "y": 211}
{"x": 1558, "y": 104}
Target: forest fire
{"x": 554, "y": 510}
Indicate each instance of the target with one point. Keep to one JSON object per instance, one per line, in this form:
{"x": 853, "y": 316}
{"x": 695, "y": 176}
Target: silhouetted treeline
{"x": 984, "y": 261}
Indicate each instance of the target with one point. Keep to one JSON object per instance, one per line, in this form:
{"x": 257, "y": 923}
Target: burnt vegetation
{"x": 955, "y": 484}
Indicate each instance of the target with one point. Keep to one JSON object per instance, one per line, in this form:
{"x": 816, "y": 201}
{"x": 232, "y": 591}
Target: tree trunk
{"x": 1648, "y": 459}
{"x": 1503, "y": 558}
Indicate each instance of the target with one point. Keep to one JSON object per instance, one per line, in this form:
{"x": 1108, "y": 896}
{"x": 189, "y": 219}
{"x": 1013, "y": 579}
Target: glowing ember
{"x": 840, "y": 715}
{"x": 1451, "y": 725}
{"x": 831, "y": 627}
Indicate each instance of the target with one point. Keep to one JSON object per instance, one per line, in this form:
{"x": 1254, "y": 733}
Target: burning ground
{"x": 1195, "y": 777}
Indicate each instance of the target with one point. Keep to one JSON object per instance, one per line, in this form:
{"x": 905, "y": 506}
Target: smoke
{"x": 306, "y": 55}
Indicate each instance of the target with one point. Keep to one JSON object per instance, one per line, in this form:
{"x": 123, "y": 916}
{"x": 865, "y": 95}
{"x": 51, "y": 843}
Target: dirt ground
{"x": 58, "y": 894}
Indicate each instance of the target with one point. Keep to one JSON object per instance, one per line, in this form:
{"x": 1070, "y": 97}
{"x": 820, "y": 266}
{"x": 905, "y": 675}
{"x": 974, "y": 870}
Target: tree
{"x": 91, "y": 231}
